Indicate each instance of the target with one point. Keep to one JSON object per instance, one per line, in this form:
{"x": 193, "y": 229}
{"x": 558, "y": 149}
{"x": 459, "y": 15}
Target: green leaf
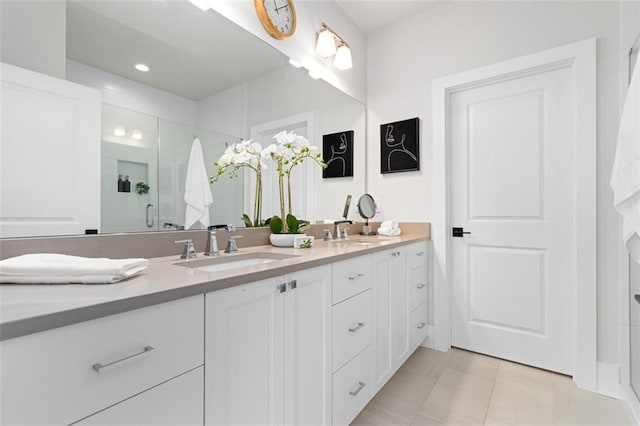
{"x": 276, "y": 225}
{"x": 247, "y": 220}
{"x": 292, "y": 224}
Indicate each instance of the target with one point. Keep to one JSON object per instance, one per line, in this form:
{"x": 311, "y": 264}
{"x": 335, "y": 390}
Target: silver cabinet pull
{"x": 357, "y": 389}
{"x": 353, "y": 277}
{"x": 282, "y": 288}
{"x": 293, "y": 284}
{"x": 420, "y": 253}
{"x": 422, "y": 324}
{"x": 356, "y": 328}
{"x": 420, "y": 286}
{"x": 102, "y": 367}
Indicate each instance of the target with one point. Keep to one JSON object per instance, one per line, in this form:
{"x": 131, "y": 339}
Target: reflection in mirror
{"x": 196, "y": 85}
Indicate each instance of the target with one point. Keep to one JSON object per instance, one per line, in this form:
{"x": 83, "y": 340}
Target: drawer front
{"x": 417, "y": 254}
{"x": 176, "y": 402}
{"x": 419, "y": 326}
{"x": 352, "y": 328}
{"x": 352, "y": 388}
{"x": 65, "y": 374}
{"x": 418, "y": 288}
{"x": 351, "y": 277}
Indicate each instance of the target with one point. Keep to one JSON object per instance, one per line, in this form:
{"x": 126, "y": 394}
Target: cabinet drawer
{"x": 352, "y": 328}
{"x": 419, "y": 326}
{"x": 351, "y": 277}
{"x": 352, "y": 388}
{"x": 417, "y": 254}
{"x": 177, "y": 402}
{"x": 62, "y": 375}
{"x": 418, "y": 288}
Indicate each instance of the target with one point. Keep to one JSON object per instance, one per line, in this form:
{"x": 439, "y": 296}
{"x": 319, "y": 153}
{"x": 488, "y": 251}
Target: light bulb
{"x": 343, "y": 60}
{"x": 326, "y": 44}
{"x": 119, "y": 131}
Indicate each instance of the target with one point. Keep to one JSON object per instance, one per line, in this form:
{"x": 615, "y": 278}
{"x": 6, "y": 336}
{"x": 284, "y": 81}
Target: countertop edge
{"x": 35, "y": 324}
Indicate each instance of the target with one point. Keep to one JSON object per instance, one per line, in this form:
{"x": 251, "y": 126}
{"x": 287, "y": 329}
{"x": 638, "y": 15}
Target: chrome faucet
{"x": 189, "y": 251}
{"x": 336, "y": 230}
{"x": 232, "y": 245}
{"x": 228, "y": 228}
{"x": 212, "y": 244}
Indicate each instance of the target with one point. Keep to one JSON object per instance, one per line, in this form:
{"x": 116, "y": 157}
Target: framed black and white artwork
{"x": 337, "y": 152}
{"x": 400, "y": 146}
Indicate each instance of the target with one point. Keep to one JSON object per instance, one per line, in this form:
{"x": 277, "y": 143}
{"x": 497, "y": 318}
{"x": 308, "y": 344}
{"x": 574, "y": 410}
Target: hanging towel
{"x": 197, "y": 192}
{"x": 51, "y": 268}
{"x": 625, "y": 178}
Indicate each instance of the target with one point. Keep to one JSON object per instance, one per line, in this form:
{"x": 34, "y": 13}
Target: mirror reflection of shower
{"x": 153, "y": 153}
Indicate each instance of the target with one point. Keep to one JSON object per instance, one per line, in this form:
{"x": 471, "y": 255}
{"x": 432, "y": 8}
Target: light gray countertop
{"x": 26, "y": 309}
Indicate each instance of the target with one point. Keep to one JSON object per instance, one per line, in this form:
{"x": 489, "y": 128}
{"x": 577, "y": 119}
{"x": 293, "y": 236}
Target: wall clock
{"x": 278, "y": 17}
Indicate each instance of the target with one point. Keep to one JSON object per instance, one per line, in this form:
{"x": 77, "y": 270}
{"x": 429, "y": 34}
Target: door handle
{"x": 149, "y": 218}
{"x": 637, "y": 297}
{"x": 459, "y": 232}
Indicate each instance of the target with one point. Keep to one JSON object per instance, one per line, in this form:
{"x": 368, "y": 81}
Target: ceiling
{"x": 373, "y": 15}
{"x": 190, "y": 53}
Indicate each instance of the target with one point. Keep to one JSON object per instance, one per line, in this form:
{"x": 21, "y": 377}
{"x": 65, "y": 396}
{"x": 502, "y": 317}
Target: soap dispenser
{"x": 120, "y": 184}
{"x": 126, "y": 186}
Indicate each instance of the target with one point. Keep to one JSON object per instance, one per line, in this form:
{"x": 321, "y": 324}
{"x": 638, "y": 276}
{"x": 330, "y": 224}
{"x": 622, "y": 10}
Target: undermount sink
{"x": 233, "y": 261}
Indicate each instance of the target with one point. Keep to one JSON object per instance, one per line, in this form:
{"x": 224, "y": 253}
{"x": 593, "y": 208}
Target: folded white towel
{"x": 197, "y": 190}
{"x": 390, "y": 232}
{"x": 625, "y": 177}
{"x": 51, "y": 268}
{"x": 389, "y": 224}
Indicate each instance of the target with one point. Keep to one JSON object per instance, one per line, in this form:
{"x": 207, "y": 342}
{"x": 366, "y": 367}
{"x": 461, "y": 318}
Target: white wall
{"x": 405, "y": 58}
{"x": 301, "y": 46}
{"x": 32, "y": 35}
{"x": 225, "y": 112}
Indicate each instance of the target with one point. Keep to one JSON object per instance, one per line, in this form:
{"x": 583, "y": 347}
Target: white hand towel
{"x": 51, "y": 268}
{"x": 197, "y": 191}
{"x": 625, "y": 178}
{"x": 390, "y": 232}
{"x": 389, "y": 224}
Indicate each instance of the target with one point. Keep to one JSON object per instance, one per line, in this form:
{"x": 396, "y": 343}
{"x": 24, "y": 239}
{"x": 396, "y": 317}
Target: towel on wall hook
{"x": 625, "y": 177}
{"x": 197, "y": 192}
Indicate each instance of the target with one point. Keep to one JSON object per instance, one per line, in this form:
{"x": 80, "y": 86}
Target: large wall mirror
{"x": 208, "y": 78}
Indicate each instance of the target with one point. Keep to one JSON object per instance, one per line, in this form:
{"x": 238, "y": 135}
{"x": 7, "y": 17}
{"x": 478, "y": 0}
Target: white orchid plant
{"x": 245, "y": 154}
{"x": 289, "y": 151}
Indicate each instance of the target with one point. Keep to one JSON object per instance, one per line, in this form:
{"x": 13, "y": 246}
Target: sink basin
{"x": 233, "y": 261}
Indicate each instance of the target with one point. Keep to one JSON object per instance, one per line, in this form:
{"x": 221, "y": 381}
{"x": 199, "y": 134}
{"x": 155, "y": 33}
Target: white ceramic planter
{"x": 283, "y": 240}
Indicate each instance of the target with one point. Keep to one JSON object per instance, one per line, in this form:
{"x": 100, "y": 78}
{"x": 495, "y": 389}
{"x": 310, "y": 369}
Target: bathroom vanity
{"x": 307, "y": 339}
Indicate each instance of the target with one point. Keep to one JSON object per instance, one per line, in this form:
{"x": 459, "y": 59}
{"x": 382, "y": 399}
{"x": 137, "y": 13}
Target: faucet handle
{"x": 232, "y": 245}
{"x": 327, "y": 235}
{"x": 344, "y": 235}
{"x": 189, "y": 251}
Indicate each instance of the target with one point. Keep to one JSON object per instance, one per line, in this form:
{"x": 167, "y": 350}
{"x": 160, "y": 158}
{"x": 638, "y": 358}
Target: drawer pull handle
{"x": 420, "y": 253}
{"x": 357, "y": 390}
{"x": 420, "y": 286}
{"x": 356, "y": 328}
{"x": 422, "y": 324}
{"x": 100, "y": 367}
{"x": 353, "y": 277}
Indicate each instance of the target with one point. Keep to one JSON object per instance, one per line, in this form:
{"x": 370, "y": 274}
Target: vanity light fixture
{"x": 119, "y": 131}
{"x": 326, "y": 47}
{"x": 142, "y": 67}
{"x": 136, "y": 134}
{"x": 315, "y": 73}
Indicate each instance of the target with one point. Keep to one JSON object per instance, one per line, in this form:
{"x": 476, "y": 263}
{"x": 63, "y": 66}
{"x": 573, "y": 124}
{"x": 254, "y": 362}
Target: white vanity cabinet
{"x": 72, "y": 372}
{"x": 267, "y": 351}
{"x": 398, "y": 307}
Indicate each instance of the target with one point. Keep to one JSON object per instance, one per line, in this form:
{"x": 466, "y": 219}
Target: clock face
{"x": 277, "y": 16}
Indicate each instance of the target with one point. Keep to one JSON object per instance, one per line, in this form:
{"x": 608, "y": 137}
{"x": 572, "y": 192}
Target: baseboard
{"x": 608, "y": 379}
{"x": 632, "y": 404}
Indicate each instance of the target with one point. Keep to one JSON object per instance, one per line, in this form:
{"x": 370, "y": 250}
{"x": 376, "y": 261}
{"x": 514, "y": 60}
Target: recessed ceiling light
{"x": 119, "y": 131}
{"x": 136, "y": 134}
{"x": 142, "y": 67}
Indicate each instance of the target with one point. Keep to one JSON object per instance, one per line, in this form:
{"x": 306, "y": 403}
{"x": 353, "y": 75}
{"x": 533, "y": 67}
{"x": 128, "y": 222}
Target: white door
{"x": 513, "y": 188}
{"x": 244, "y": 346}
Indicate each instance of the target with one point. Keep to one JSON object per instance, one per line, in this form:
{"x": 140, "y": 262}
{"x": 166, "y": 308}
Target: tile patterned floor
{"x": 465, "y": 388}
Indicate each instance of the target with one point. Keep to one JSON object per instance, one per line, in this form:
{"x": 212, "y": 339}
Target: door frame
{"x": 580, "y": 57}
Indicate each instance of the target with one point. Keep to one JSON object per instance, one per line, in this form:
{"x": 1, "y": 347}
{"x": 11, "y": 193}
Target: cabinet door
{"x": 384, "y": 300}
{"x": 176, "y": 402}
{"x": 307, "y": 351}
{"x": 49, "y": 155}
{"x": 244, "y": 354}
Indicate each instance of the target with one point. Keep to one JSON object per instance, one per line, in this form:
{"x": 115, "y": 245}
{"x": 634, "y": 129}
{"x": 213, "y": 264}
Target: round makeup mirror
{"x": 367, "y": 209}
